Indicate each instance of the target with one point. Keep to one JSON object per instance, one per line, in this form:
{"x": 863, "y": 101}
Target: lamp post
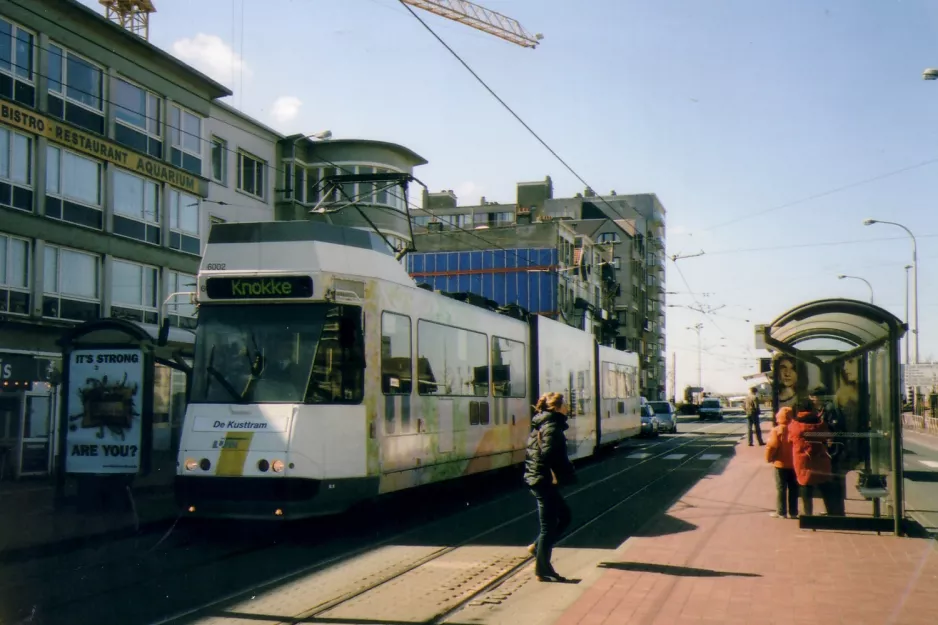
{"x": 870, "y": 286}
{"x": 870, "y": 222}
{"x": 907, "y": 267}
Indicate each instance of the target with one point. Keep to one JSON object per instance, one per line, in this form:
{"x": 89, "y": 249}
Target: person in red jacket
{"x": 809, "y": 436}
{"x": 778, "y": 451}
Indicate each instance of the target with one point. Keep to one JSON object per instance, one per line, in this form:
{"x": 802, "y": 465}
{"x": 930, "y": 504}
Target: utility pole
{"x": 674, "y": 376}
{"x": 697, "y": 328}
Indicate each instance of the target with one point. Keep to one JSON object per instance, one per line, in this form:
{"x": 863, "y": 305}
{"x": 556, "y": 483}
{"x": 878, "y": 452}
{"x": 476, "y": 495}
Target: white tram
{"x": 310, "y": 338}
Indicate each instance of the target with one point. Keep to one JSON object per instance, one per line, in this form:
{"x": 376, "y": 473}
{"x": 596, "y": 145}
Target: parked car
{"x": 666, "y": 414}
{"x": 649, "y": 421}
{"x": 710, "y": 409}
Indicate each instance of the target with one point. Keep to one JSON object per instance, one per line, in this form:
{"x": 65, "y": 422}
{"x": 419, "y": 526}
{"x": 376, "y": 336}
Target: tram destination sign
{"x": 260, "y": 287}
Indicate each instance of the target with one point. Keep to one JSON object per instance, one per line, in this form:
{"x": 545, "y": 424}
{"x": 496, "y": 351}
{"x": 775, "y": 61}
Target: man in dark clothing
{"x": 546, "y": 467}
{"x": 752, "y": 415}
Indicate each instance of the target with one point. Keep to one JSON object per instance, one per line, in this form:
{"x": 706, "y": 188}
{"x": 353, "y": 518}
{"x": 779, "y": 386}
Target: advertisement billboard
{"x": 104, "y": 405}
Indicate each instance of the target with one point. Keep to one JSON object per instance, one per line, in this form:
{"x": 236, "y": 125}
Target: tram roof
{"x": 855, "y": 322}
{"x": 296, "y": 231}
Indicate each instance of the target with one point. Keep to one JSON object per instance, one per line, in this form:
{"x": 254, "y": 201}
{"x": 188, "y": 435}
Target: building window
{"x": 185, "y": 129}
{"x": 616, "y": 262}
{"x": 608, "y": 237}
{"x": 16, "y": 63}
{"x": 251, "y": 175}
{"x": 421, "y": 221}
{"x": 16, "y": 165}
{"x": 73, "y": 188}
{"x": 139, "y": 118}
{"x": 396, "y": 355}
{"x": 299, "y": 184}
{"x": 71, "y": 284}
{"x": 136, "y": 207}
{"x": 451, "y": 361}
{"x": 14, "y": 275}
{"x": 219, "y": 160}
{"x": 75, "y": 89}
{"x": 181, "y": 311}
{"x": 509, "y": 372}
{"x": 184, "y": 219}
{"x": 134, "y": 292}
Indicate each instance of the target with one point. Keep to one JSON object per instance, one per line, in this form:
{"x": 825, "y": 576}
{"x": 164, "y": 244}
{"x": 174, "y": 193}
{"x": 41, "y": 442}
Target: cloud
{"x": 285, "y": 108}
{"x": 212, "y": 56}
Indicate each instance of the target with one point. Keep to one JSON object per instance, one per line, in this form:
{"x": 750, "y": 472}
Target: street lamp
{"x": 930, "y": 74}
{"x": 870, "y": 222}
{"x": 844, "y": 277}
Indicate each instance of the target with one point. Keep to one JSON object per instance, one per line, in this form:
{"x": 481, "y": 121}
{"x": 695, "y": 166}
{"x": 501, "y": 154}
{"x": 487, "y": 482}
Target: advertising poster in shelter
{"x": 104, "y": 405}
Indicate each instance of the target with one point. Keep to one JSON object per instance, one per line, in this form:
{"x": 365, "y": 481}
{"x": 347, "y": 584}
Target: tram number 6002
{"x": 224, "y": 444}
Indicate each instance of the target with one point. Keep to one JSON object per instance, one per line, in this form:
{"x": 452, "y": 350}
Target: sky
{"x": 769, "y": 130}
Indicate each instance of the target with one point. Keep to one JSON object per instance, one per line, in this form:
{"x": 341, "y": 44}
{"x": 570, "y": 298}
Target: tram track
{"x": 156, "y": 568}
{"x": 320, "y": 612}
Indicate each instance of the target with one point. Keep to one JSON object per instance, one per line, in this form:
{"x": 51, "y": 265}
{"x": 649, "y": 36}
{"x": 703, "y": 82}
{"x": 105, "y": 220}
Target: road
{"x": 450, "y": 546}
{"x": 921, "y": 479}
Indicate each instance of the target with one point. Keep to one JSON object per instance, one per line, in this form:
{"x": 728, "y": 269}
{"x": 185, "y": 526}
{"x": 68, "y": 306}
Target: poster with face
{"x": 104, "y": 423}
{"x": 791, "y": 380}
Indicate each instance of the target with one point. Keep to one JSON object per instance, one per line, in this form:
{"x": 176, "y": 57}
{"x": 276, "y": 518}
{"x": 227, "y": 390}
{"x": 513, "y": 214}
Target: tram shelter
{"x": 842, "y": 355}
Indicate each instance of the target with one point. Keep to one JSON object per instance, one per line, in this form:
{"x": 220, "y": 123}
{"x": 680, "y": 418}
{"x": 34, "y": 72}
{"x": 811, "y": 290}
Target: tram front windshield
{"x": 278, "y": 353}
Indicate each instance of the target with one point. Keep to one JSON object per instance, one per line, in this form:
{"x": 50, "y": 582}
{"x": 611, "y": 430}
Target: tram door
{"x": 35, "y": 443}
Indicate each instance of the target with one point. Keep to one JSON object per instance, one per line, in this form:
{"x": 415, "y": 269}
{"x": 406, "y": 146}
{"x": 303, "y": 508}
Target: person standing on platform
{"x": 547, "y": 467}
{"x": 752, "y": 415}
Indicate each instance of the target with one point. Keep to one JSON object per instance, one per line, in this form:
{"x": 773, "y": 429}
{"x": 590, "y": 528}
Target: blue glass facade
{"x": 506, "y": 276}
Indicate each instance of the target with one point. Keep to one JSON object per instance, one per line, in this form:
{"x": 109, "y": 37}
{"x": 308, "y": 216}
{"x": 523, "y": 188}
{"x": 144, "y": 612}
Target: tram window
{"x": 262, "y": 353}
{"x": 451, "y": 361}
{"x": 339, "y": 366}
{"x": 622, "y": 384}
{"x": 610, "y": 380}
{"x": 396, "y": 354}
{"x": 509, "y": 369}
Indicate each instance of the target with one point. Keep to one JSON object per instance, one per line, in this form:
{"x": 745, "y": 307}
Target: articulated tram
{"x": 324, "y": 376}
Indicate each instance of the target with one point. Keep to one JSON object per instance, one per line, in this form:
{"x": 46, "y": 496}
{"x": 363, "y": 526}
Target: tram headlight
{"x": 277, "y": 466}
{"x": 191, "y": 464}
{"x": 262, "y": 466}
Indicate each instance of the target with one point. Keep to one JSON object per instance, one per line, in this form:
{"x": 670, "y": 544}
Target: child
{"x": 778, "y": 451}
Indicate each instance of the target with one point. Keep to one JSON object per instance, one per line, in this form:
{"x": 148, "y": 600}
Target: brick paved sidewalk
{"x": 739, "y": 565}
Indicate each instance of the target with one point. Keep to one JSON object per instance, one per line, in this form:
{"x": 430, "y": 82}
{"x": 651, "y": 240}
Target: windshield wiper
{"x": 256, "y": 365}
{"x": 221, "y": 378}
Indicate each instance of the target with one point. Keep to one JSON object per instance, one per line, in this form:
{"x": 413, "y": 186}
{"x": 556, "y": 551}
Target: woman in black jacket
{"x": 546, "y": 467}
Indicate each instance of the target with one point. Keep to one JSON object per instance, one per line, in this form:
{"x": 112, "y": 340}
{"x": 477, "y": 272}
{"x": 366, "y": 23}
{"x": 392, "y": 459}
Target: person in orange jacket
{"x": 778, "y": 451}
{"x": 809, "y": 436}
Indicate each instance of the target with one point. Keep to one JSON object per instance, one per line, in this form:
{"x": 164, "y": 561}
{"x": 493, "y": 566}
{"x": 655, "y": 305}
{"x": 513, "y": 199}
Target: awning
{"x": 851, "y": 321}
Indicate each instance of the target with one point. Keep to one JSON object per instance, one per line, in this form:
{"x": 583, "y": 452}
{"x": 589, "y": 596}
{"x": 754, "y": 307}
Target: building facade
{"x": 107, "y": 189}
{"x": 632, "y": 226}
{"x": 374, "y": 196}
{"x": 547, "y": 268}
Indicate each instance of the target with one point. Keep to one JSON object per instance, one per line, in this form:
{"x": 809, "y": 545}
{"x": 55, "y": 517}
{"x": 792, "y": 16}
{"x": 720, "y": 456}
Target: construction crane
{"x": 480, "y": 18}
{"x": 134, "y": 15}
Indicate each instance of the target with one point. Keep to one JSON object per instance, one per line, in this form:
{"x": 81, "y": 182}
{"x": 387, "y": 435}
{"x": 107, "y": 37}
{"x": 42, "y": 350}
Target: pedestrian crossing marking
{"x": 930, "y": 463}
{"x": 638, "y": 455}
{"x": 674, "y": 456}
{"x": 710, "y": 456}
